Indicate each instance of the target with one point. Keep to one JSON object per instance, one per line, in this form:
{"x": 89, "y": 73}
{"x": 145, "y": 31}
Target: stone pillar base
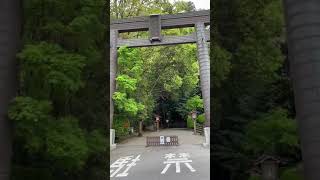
{"x": 207, "y": 137}
{"x": 112, "y": 139}
{"x": 112, "y": 146}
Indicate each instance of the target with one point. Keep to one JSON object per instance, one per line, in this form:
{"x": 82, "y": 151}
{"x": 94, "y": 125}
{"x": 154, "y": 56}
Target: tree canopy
{"x": 59, "y": 114}
{"x": 253, "y": 105}
{"x": 155, "y": 80}
{"x": 60, "y": 111}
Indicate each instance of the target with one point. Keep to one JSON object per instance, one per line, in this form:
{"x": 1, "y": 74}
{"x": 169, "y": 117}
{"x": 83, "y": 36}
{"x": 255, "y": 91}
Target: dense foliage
{"x": 253, "y": 105}
{"x": 291, "y": 174}
{"x": 273, "y": 134}
{"x": 60, "y": 111}
{"x": 155, "y": 80}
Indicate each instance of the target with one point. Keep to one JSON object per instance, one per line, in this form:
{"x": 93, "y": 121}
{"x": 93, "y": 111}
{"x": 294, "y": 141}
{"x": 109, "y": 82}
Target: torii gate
{"x": 154, "y": 24}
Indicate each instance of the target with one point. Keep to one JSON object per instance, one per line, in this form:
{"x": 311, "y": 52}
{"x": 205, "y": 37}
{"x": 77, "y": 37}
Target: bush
{"x": 254, "y": 178}
{"x": 66, "y": 144}
{"x": 189, "y": 122}
{"x": 121, "y": 126}
{"x": 273, "y": 133}
{"x": 201, "y": 119}
{"x": 31, "y": 118}
{"x": 31, "y": 173}
{"x": 291, "y": 174}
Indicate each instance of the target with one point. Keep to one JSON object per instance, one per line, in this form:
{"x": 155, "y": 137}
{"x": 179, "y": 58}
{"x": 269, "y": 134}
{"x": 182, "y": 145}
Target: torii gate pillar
{"x": 204, "y": 64}
{"x": 113, "y": 72}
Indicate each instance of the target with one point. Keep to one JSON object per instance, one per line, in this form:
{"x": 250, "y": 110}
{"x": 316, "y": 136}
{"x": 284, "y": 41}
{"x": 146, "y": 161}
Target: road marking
{"x": 190, "y": 167}
{"x": 177, "y": 167}
{"x": 119, "y": 168}
{"x": 122, "y": 162}
{"x": 165, "y": 169}
{"x": 173, "y": 159}
{"x": 169, "y": 156}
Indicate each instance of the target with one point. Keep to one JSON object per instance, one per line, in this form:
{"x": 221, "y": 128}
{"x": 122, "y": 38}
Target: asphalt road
{"x": 183, "y": 162}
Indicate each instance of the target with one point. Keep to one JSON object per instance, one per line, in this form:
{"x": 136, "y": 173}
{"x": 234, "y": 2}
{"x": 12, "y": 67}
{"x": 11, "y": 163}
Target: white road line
{"x": 177, "y": 167}
{"x": 165, "y": 169}
{"x": 115, "y": 172}
{"x": 125, "y": 172}
{"x": 181, "y": 161}
{"x": 190, "y": 167}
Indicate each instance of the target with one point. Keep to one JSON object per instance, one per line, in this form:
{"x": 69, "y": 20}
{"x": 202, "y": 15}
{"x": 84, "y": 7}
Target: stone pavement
{"x": 131, "y": 160}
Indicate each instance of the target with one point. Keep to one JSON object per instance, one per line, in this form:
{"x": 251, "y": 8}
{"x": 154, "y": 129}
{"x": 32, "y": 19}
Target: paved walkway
{"x": 131, "y": 160}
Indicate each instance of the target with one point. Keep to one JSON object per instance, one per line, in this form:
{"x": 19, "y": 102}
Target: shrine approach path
{"x": 132, "y": 160}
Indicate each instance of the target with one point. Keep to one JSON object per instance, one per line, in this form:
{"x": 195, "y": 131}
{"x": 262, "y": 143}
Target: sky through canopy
{"x": 200, "y": 4}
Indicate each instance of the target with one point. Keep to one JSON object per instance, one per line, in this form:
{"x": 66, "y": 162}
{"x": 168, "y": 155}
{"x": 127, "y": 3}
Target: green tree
{"x": 292, "y": 174}
{"x": 250, "y": 80}
{"x": 194, "y": 103}
{"x": 273, "y": 134}
{"x": 166, "y": 70}
{"x": 130, "y": 65}
{"x": 59, "y": 115}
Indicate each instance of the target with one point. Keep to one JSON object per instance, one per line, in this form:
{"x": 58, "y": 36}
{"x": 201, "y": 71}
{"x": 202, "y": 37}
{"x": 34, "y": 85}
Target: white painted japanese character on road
{"x": 182, "y": 158}
{"x": 127, "y": 161}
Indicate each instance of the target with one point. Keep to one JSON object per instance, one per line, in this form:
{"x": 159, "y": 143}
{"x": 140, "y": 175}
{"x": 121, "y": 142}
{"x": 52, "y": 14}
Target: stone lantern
{"x": 194, "y": 118}
{"x": 269, "y": 167}
{"x": 157, "y": 121}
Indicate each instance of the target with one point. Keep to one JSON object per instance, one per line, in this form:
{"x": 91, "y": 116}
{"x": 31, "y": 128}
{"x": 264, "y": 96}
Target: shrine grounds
{"x": 188, "y": 161}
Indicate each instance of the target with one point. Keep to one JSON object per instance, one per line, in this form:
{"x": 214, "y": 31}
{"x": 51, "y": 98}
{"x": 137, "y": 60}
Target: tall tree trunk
{"x": 140, "y": 127}
{"x": 9, "y": 43}
{"x": 203, "y": 58}
{"x": 303, "y": 34}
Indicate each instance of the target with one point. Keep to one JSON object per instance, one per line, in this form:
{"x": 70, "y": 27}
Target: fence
{"x": 199, "y": 128}
{"x": 162, "y": 141}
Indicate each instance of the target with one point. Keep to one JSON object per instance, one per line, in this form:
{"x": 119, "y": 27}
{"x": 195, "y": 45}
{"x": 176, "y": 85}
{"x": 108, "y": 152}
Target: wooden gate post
{"x": 204, "y": 63}
{"x": 113, "y": 69}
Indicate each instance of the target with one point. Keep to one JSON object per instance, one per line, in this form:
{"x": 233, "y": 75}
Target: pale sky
{"x": 200, "y": 4}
